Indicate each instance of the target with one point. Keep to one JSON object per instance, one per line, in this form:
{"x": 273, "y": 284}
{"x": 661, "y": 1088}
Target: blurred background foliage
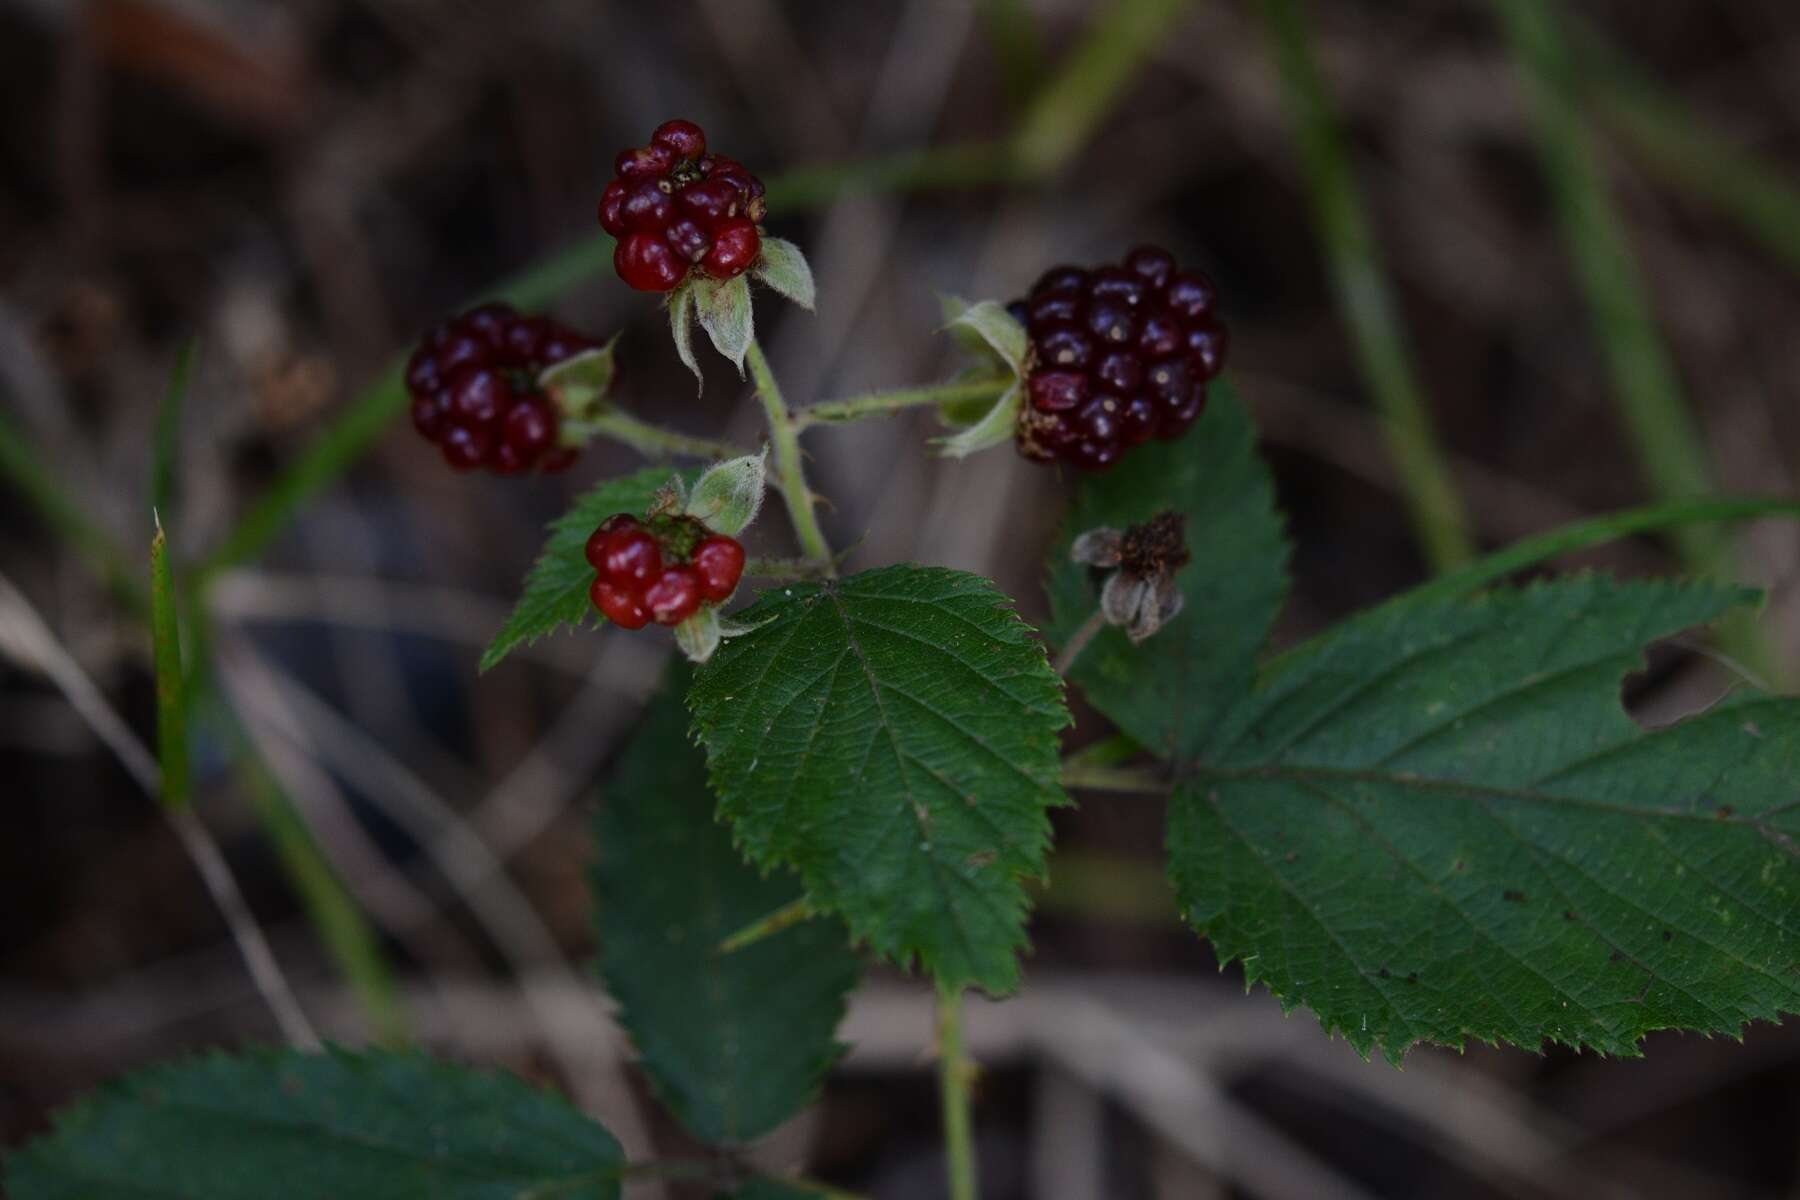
{"x": 1488, "y": 268}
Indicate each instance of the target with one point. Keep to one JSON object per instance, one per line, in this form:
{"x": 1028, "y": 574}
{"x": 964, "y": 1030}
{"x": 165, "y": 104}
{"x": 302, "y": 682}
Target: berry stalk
{"x": 880, "y": 404}
{"x": 790, "y": 471}
{"x": 955, "y": 1080}
{"x": 651, "y": 441}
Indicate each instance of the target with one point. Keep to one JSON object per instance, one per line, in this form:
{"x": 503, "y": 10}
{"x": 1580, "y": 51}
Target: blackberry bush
{"x": 1432, "y": 822}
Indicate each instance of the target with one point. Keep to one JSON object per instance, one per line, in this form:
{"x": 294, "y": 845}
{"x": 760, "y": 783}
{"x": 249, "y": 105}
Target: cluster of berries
{"x": 660, "y": 569}
{"x": 674, "y": 206}
{"x": 473, "y": 382}
{"x": 1119, "y": 355}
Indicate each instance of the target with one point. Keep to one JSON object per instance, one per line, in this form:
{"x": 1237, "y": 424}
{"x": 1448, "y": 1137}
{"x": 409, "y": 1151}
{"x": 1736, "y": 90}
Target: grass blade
{"x": 344, "y": 930}
{"x": 1651, "y": 518}
{"x": 1682, "y": 151}
{"x": 1365, "y": 295}
{"x": 1076, "y": 99}
{"x": 24, "y": 467}
{"x": 171, "y": 691}
{"x": 1668, "y": 441}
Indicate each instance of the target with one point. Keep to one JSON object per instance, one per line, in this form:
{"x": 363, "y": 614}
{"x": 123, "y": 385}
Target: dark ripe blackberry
{"x": 676, "y": 208}
{"x": 474, "y": 393}
{"x": 1119, "y": 354}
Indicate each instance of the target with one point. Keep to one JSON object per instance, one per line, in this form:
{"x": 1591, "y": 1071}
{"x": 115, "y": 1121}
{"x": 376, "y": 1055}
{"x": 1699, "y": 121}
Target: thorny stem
{"x": 955, "y": 1077}
{"x": 790, "y": 472}
{"x": 879, "y": 404}
{"x": 1078, "y": 642}
{"x": 652, "y": 441}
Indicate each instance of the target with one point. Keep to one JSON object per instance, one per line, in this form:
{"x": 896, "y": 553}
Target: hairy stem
{"x": 880, "y": 404}
{"x": 652, "y": 441}
{"x": 785, "y": 917}
{"x": 1082, "y": 777}
{"x": 955, "y": 1075}
{"x": 790, "y": 471}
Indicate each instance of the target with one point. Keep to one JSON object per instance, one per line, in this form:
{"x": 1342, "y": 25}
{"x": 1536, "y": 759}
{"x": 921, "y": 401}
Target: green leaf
{"x": 735, "y": 1044}
{"x": 726, "y": 498}
{"x": 987, "y": 328}
{"x": 784, "y": 268}
{"x": 1170, "y": 690}
{"x": 893, "y": 737}
{"x": 681, "y": 328}
{"x": 724, "y": 309}
{"x": 996, "y": 428}
{"x": 1439, "y": 824}
{"x": 579, "y": 385}
{"x": 282, "y": 1125}
{"x": 556, "y": 590}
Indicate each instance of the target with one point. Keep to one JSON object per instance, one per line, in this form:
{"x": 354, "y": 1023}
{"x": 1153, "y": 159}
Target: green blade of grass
{"x": 25, "y": 468}
{"x": 1665, "y": 517}
{"x": 348, "y": 937}
{"x": 1664, "y": 434}
{"x": 1018, "y": 48}
{"x": 171, "y": 691}
{"x": 1365, "y": 296}
{"x": 1073, "y": 102}
{"x": 168, "y": 430}
{"x": 1684, "y": 152}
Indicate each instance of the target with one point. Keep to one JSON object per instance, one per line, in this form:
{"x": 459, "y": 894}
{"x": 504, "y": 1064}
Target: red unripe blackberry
{"x": 674, "y": 597}
{"x": 1118, "y": 355}
{"x": 474, "y": 392}
{"x": 660, "y": 569}
{"x": 631, "y": 558}
{"x": 674, "y": 207}
{"x": 621, "y": 606}
{"x": 719, "y": 561}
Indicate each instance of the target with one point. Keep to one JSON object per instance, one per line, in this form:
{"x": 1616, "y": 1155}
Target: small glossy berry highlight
{"x": 675, "y": 208}
{"x": 1118, "y": 355}
{"x": 473, "y": 384}
{"x": 660, "y": 569}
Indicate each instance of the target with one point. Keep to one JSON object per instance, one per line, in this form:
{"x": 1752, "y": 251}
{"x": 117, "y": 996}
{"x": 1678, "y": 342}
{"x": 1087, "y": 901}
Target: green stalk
{"x": 1072, "y": 104}
{"x": 881, "y": 404}
{"x": 1082, "y": 777}
{"x": 790, "y": 471}
{"x": 651, "y": 441}
{"x": 1365, "y": 296}
{"x": 785, "y": 917}
{"x": 955, "y": 1082}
